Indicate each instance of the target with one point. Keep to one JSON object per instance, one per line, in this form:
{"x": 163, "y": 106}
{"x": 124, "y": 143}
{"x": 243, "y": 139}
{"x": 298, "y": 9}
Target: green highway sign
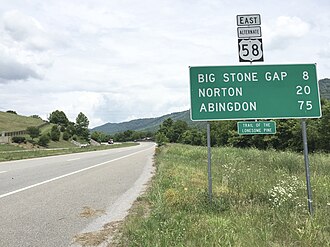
{"x": 254, "y": 92}
{"x": 256, "y": 128}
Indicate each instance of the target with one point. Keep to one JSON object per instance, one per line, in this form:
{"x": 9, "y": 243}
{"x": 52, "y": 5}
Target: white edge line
{"x": 3, "y": 172}
{"x": 69, "y": 174}
{"x": 73, "y": 159}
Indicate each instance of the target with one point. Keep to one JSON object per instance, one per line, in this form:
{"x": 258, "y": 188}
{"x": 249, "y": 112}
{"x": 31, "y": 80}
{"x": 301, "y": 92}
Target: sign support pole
{"x": 308, "y": 184}
{"x": 209, "y": 161}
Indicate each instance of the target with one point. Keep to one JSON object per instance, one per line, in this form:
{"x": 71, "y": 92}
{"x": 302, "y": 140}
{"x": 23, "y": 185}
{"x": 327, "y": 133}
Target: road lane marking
{"x": 3, "y": 172}
{"x": 73, "y": 159}
{"x": 71, "y": 173}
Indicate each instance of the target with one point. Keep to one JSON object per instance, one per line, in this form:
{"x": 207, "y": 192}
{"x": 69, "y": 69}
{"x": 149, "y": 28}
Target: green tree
{"x": 44, "y": 140}
{"x": 119, "y": 137}
{"x": 36, "y": 116}
{"x": 66, "y": 136}
{"x": 167, "y": 128}
{"x": 82, "y": 123}
{"x": 33, "y": 131}
{"x": 100, "y": 136}
{"x": 71, "y": 129}
{"x": 179, "y": 127}
{"x": 161, "y": 139}
{"x": 12, "y": 112}
{"x": 55, "y": 133}
{"x": 136, "y": 135}
{"x": 324, "y": 127}
{"x": 58, "y": 117}
{"x": 187, "y": 137}
{"x": 128, "y": 135}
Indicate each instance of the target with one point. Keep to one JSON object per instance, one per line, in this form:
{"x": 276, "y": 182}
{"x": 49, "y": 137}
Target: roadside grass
{"x": 259, "y": 199}
{"x": 8, "y": 155}
{"x": 46, "y": 128}
{"x": 60, "y": 144}
{"x": 8, "y": 147}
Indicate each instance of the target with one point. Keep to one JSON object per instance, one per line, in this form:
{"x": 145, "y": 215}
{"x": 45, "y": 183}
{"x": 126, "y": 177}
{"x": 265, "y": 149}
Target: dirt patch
{"x": 89, "y": 212}
{"x": 98, "y": 237}
{"x": 110, "y": 234}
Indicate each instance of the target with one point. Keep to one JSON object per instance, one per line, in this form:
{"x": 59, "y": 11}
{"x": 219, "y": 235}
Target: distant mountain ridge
{"x": 152, "y": 124}
{"x": 145, "y": 124}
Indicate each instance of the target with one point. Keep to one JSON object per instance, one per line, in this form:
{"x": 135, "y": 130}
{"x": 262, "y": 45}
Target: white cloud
{"x": 12, "y": 69}
{"x": 26, "y": 30}
{"x": 291, "y": 27}
{"x": 286, "y": 30}
{"x": 24, "y": 48}
{"x": 324, "y": 52}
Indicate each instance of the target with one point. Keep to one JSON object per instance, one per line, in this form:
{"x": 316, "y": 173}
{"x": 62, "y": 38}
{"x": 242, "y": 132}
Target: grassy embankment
{"x": 9, "y": 152}
{"x": 13, "y": 122}
{"x": 259, "y": 199}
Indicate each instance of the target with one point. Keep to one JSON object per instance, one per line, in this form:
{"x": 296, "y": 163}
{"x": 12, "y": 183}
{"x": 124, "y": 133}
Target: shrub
{"x": 33, "y": 131}
{"x": 44, "y": 140}
{"x": 55, "y": 133}
{"x": 18, "y": 139}
{"x": 66, "y": 136}
{"x": 12, "y": 112}
{"x": 161, "y": 139}
{"x": 36, "y": 116}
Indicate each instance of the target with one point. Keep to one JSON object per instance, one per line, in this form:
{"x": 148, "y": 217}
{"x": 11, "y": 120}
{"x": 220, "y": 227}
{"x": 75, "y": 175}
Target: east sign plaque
{"x": 254, "y": 92}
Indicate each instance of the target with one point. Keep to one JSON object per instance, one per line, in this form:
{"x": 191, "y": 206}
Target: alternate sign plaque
{"x": 249, "y": 32}
{"x": 254, "y": 92}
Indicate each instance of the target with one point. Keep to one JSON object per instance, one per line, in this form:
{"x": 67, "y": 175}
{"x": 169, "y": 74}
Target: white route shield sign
{"x": 250, "y": 50}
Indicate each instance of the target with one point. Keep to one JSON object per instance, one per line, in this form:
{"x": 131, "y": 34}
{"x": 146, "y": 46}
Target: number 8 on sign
{"x": 250, "y": 50}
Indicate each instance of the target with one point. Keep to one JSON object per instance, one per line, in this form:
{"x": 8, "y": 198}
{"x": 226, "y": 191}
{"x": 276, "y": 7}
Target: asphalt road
{"x": 47, "y": 201}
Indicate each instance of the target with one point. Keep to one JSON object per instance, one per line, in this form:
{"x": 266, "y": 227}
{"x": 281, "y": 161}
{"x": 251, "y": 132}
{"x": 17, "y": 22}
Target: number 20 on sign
{"x": 250, "y": 50}
{"x": 254, "y": 92}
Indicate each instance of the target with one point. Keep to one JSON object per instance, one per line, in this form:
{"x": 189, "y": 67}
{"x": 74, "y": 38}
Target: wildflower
{"x": 285, "y": 191}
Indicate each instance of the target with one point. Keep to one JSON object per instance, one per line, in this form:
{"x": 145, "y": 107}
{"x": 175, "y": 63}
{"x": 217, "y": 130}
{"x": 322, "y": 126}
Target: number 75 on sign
{"x": 250, "y": 50}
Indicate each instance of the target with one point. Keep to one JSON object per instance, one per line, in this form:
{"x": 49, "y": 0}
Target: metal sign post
{"x": 209, "y": 161}
{"x": 308, "y": 183}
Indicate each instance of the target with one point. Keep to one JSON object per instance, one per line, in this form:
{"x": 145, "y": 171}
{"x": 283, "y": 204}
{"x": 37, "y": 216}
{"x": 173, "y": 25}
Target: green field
{"x": 259, "y": 199}
{"x": 13, "y": 122}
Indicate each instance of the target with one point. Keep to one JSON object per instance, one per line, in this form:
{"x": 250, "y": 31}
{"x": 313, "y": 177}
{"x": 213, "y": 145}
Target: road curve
{"x": 47, "y": 201}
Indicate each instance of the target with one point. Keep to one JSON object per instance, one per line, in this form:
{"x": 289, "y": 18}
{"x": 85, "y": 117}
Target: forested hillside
{"x": 145, "y": 124}
{"x": 324, "y": 85}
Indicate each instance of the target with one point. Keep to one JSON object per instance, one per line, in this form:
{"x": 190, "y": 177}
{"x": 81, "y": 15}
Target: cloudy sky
{"x": 117, "y": 60}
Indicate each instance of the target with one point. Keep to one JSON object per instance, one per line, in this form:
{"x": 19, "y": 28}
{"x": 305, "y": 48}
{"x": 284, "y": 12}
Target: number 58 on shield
{"x": 250, "y": 50}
